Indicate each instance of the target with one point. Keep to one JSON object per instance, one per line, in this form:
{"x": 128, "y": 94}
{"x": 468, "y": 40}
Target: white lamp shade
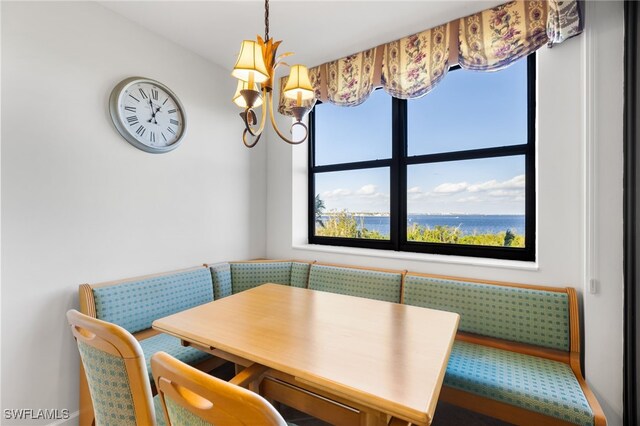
{"x": 250, "y": 60}
{"x": 239, "y": 100}
{"x": 299, "y": 83}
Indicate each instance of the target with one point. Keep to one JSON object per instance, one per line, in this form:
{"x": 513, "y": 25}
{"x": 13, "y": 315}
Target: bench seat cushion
{"x": 533, "y": 383}
{"x": 135, "y": 304}
{"x": 371, "y": 284}
{"x": 172, "y": 346}
{"x": 246, "y": 275}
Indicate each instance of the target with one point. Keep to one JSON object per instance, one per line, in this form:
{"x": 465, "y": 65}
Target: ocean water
{"x": 469, "y": 224}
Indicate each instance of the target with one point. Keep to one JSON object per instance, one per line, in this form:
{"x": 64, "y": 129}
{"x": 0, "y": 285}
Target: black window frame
{"x": 398, "y": 164}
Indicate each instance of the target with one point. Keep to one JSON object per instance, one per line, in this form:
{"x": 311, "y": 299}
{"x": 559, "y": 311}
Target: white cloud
{"x": 472, "y": 199}
{"x": 450, "y": 188}
{"x": 414, "y": 190}
{"x": 517, "y": 182}
{"x": 369, "y": 189}
{"x": 336, "y": 193}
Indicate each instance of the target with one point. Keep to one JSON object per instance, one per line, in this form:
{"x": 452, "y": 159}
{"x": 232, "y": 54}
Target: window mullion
{"x": 398, "y": 184}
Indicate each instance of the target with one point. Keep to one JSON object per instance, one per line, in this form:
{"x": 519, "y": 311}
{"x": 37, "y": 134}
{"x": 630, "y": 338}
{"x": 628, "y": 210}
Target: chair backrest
{"x": 191, "y": 397}
{"x": 116, "y": 371}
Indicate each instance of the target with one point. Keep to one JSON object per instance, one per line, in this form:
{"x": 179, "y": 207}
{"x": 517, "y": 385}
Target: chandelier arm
{"x": 263, "y": 120}
{"x": 266, "y": 20}
{"x": 282, "y": 136}
{"x": 244, "y": 139}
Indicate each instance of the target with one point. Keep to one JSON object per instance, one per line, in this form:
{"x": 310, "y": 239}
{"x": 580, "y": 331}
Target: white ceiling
{"x": 316, "y": 31}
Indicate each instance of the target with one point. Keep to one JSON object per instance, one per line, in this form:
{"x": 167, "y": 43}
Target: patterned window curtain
{"x": 495, "y": 38}
{"x": 564, "y": 21}
{"x": 285, "y": 104}
{"x": 413, "y": 65}
{"x": 350, "y": 79}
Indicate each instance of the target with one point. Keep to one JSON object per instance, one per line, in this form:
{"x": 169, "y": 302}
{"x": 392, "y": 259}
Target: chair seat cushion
{"x": 172, "y": 346}
{"x": 533, "y": 383}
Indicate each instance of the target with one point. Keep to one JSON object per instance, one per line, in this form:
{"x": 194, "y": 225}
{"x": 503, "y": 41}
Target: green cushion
{"x": 522, "y": 315}
{"x": 299, "y": 274}
{"x": 136, "y": 304}
{"x": 172, "y": 346}
{"x": 180, "y": 416}
{"x": 533, "y": 383}
{"x": 246, "y": 275}
{"x": 109, "y": 386}
{"x": 221, "y": 275}
{"x": 157, "y": 406}
{"x": 356, "y": 282}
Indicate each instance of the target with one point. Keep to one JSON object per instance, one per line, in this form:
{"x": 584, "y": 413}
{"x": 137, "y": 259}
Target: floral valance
{"x": 412, "y": 66}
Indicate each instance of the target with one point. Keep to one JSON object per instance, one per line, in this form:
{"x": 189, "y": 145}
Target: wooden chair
{"x": 191, "y": 397}
{"x": 116, "y": 372}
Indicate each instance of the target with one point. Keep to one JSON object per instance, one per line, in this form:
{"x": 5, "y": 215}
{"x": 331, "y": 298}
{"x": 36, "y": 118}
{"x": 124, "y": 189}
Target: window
{"x": 449, "y": 173}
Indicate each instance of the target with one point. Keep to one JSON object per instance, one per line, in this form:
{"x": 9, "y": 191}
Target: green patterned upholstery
{"x": 172, "y": 346}
{"x": 518, "y": 314}
{"x": 246, "y": 275}
{"x": 109, "y": 387}
{"x": 536, "y": 384}
{"x": 157, "y": 407}
{"x": 356, "y": 282}
{"x": 221, "y": 274}
{"x": 180, "y": 416}
{"x": 299, "y": 274}
{"x": 135, "y": 305}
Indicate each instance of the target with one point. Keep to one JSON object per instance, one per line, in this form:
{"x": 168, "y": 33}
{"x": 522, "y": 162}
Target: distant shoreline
{"x": 385, "y": 214}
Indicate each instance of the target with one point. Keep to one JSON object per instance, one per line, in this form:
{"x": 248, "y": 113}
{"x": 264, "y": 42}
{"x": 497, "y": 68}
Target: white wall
{"x": 79, "y": 204}
{"x": 579, "y": 201}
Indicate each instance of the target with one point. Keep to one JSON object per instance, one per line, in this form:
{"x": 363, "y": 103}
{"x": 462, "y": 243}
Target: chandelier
{"x": 255, "y": 70}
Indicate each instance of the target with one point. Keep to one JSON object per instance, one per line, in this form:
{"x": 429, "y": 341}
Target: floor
{"x": 446, "y": 414}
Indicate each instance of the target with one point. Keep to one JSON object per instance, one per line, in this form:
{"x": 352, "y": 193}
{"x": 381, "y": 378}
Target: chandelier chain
{"x": 266, "y": 20}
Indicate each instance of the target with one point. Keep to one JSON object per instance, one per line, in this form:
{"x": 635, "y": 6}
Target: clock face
{"x": 148, "y": 115}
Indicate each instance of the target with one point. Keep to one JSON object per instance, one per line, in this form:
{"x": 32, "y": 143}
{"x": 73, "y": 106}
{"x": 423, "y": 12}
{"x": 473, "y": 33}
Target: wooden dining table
{"x": 343, "y": 359}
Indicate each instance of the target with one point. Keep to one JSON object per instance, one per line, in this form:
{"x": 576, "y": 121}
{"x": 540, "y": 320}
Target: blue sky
{"x": 466, "y": 110}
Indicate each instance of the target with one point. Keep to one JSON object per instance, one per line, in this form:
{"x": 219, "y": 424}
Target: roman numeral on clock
{"x": 133, "y": 120}
{"x": 154, "y": 94}
{"x": 141, "y": 130}
{"x": 152, "y": 137}
{"x": 171, "y": 111}
{"x": 130, "y": 108}
{"x": 136, "y": 99}
{"x": 170, "y": 130}
{"x": 174, "y": 122}
{"x": 163, "y": 136}
{"x": 144, "y": 95}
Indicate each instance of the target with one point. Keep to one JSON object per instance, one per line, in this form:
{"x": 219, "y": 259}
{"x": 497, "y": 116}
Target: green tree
{"x": 319, "y": 210}
{"x": 344, "y": 224}
{"x": 508, "y": 238}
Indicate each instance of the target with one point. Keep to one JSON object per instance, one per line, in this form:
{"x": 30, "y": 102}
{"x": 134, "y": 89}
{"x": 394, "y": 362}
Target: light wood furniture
{"x": 88, "y": 307}
{"x": 109, "y": 341}
{"x": 345, "y": 359}
{"x": 186, "y": 392}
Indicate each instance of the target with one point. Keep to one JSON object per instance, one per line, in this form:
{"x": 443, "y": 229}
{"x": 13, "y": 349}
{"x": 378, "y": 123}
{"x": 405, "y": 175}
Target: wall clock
{"x": 148, "y": 114}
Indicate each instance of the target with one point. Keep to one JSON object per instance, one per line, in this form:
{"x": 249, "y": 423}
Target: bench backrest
{"x": 246, "y": 275}
{"x": 135, "y": 303}
{"x": 234, "y": 277}
{"x": 372, "y": 284}
{"x": 534, "y": 316}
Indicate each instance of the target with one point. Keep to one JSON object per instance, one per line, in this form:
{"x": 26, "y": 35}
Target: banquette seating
{"x": 516, "y": 355}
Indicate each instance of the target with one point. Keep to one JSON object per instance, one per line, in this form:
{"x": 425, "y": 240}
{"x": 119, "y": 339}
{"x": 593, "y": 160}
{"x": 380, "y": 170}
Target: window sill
{"x": 422, "y": 257}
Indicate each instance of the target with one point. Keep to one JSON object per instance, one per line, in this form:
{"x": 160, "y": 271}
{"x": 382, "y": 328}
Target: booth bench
{"x": 516, "y": 355}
